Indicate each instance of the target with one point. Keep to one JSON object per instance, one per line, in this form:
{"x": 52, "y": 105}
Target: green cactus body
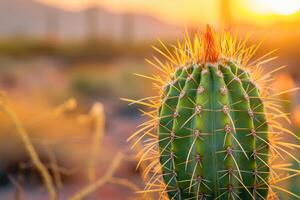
{"x": 215, "y": 137}
{"x": 207, "y": 132}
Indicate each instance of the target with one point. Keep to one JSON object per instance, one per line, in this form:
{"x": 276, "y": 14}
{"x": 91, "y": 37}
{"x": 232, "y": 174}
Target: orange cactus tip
{"x": 211, "y": 48}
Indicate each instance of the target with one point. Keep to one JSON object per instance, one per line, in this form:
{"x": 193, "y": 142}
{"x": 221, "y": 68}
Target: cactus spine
{"x": 216, "y": 139}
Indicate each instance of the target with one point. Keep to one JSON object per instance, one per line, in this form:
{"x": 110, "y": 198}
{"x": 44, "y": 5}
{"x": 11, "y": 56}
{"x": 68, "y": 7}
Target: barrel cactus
{"x": 213, "y": 131}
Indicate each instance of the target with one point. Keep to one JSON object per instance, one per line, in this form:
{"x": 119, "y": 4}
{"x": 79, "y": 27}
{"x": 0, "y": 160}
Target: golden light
{"x": 296, "y": 117}
{"x": 182, "y": 13}
{"x": 281, "y": 7}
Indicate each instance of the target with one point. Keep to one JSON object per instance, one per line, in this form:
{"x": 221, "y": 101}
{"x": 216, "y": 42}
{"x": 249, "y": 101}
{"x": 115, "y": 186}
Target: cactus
{"x": 213, "y": 131}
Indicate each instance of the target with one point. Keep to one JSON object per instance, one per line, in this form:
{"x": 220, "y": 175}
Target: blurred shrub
{"x": 72, "y": 51}
{"x": 91, "y": 86}
{"x": 20, "y": 47}
{"x": 109, "y": 81}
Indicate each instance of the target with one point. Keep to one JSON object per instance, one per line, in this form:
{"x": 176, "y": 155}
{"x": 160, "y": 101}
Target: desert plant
{"x": 213, "y": 131}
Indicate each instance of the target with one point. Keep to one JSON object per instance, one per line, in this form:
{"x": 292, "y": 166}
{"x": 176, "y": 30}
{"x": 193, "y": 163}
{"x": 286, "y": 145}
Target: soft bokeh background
{"x": 51, "y": 50}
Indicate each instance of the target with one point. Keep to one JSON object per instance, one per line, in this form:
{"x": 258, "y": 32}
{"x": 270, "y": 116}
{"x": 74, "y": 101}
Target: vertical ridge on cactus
{"x": 213, "y": 131}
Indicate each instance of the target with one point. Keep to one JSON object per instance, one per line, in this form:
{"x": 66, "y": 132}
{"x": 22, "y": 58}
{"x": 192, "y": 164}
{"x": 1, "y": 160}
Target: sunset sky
{"x": 192, "y": 11}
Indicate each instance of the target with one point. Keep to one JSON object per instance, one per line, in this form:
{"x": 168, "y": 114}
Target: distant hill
{"x": 33, "y": 19}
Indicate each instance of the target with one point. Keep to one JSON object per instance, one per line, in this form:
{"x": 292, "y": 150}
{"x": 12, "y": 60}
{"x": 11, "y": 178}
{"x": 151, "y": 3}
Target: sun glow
{"x": 195, "y": 12}
{"x": 281, "y": 7}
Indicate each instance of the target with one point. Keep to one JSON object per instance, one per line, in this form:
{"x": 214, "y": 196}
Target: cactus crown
{"x": 211, "y": 47}
{"x": 213, "y": 131}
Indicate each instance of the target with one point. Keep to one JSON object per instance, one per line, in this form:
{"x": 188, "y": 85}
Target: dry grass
{"x": 30, "y": 148}
{"x": 52, "y": 172}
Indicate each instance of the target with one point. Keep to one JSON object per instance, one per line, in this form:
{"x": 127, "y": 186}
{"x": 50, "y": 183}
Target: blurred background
{"x": 51, "y": 50}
